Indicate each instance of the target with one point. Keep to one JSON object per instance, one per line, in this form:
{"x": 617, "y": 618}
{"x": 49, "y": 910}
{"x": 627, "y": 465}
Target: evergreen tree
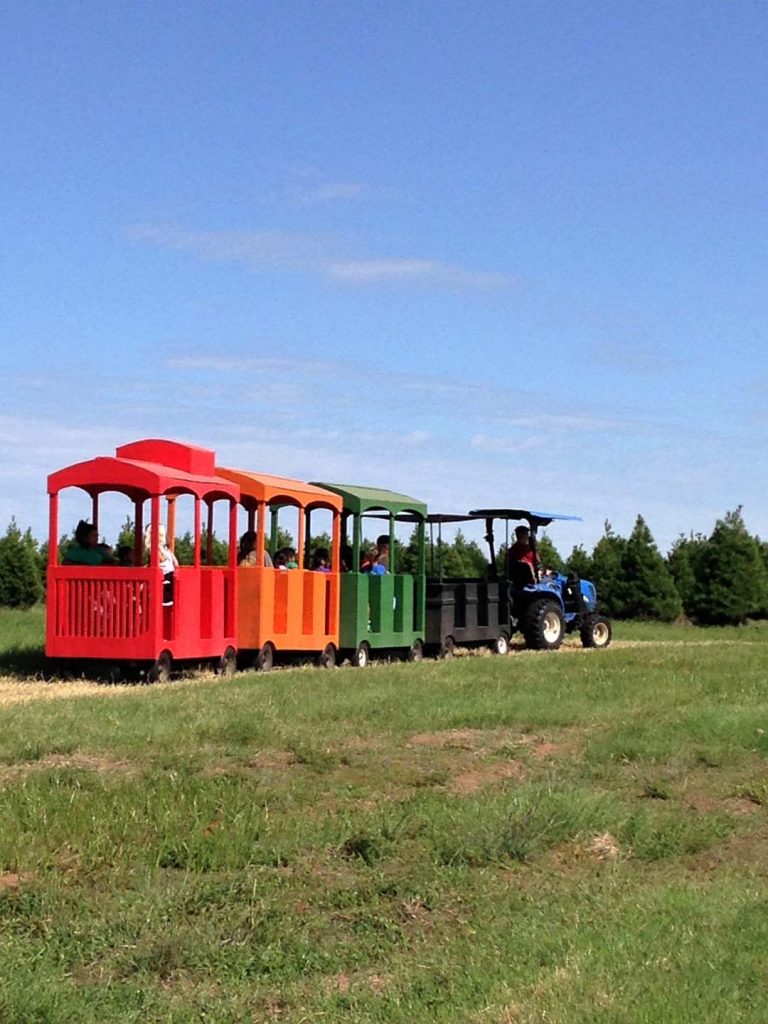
{"x": 732, "y": 580}
{"x": 469, "y": 557}
{"x": 548, "y": 555}
{"x": 579, "y": 562}
{"x": 408, "y": 555}
{"x": 683, "y": 564}
{"x": 20, "y": 584}
{"x": 607, "y": 573}
{"x": 646, "y": 589}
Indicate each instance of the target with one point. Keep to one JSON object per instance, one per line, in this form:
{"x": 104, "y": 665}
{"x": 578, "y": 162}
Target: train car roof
{"x": 271, "y": 489}
{"x": 359, "y": 500}
{"x": 144, "y": 468}
{"x": 536, "y": 518}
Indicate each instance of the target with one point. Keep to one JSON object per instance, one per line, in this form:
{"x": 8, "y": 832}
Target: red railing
{"x": 100, "y": 606}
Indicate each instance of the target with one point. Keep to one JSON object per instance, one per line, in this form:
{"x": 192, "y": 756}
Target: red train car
{"x": 116, "y": 613}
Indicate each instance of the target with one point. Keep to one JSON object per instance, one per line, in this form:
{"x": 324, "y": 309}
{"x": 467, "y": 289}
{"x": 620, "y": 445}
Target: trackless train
{"x": 256, "y": 612}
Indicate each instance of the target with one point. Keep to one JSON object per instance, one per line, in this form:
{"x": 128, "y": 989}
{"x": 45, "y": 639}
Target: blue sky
{"x": 497, "y": 253}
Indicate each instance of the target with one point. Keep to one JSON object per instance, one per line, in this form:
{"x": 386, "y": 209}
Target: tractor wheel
{"x": 416, "y": 651}
{"x": 447, "y": 650}
{"x": 501, "y": 644}
{"x": 160, "y": 671}
{"x": 265, "y": 659}
{"x": 362, "y": 656}
{"x": 543, "y": 625}
{"x": 327, "y": 658}
{"x": 227, "y": 663}
{"x": 596, "y": 631}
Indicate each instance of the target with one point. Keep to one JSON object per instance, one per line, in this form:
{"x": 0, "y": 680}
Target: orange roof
{"x": 269, "y": 489}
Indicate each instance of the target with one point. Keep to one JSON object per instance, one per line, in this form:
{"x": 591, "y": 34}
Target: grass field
{"x": 572, "y": 837}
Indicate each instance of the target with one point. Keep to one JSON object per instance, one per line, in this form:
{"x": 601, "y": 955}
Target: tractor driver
{"x": 521, "y": 555}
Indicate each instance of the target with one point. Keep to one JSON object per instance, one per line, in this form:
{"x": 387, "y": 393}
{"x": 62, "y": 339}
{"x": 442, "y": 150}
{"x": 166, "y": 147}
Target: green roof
{"x": 363, "y": 499}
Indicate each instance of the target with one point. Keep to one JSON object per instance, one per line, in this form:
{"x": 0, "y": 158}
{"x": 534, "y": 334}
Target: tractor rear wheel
{"x": 596, "y": 631}
{"x": 543, "y": 625}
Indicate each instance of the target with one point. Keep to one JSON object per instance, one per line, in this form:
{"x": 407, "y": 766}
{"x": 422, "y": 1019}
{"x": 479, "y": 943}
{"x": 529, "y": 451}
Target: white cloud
{"x": 327, "y": 257}
{"x": 429, "y": 272}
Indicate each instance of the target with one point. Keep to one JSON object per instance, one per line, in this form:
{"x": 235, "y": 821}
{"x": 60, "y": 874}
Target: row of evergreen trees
{"x": 713, "y": 580}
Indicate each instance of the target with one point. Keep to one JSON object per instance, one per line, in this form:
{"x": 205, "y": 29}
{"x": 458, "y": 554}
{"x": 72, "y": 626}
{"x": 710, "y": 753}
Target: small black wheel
{"x": 160, "y": 671}
{"x": 362, "y": 656}
{"x": 596, "y": 631}
{"x": 543, "y": 625}
{"x": 416, "y": 651}
{"x": 501, "y": 644}
{"x": 227, "y": 662}
{"x": 265, "y": 659}
{"x": 327, "y": 658}
{"x": 447, "y": 649}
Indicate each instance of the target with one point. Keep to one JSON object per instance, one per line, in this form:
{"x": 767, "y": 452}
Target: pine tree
{"x": 20, "y": 584}
{"x": 579, "y": 562}
{"x": 683, "y": 564}
{"x": 647, "y": 590}
{"x": 606, "y": 571}
{"x": 732, "y": 580}
{"x": 548, "y": 555}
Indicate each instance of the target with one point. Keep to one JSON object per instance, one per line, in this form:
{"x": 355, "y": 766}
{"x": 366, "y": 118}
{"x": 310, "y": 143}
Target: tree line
{"x": 715, "y": 579}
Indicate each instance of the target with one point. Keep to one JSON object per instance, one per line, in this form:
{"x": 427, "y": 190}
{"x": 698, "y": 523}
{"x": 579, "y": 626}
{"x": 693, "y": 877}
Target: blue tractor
{"x": 542, "y": 604}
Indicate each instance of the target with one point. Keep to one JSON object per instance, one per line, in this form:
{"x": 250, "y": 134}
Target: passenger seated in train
{"x": 246, "y": 552}
{"x": 280, "y": 560}
{"x": 382, "y": 546}
{"x": 371, "y": 563}
{"x": 125, "y": 556}
{"x": 85, "y": 549}
{"x": 321, "y": 560}
{"x": 345, "y": 562}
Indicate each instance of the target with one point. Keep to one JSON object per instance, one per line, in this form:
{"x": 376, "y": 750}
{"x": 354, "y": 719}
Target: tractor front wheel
{"x": 543, "y": 625}
{"x": 596, "y": 631}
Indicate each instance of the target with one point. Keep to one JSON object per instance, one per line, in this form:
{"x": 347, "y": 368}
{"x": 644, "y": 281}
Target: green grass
{"x": 573, "y": 838}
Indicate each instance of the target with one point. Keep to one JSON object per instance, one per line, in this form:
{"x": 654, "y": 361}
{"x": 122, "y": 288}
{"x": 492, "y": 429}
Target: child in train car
{"x": 321, "y": 560}
{"x": 167, "y": 560}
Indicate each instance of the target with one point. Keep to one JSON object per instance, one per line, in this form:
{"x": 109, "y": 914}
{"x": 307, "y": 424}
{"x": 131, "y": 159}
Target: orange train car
{"x": 285, "y": 611}
{"x": 120, "y": 614}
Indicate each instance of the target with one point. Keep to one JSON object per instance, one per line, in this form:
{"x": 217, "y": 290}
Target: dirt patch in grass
{"x": 471, "y": 781}
{"x": 13, "y": 879}
{"x": 468, "y": 739}
{"x": 81, "y": 762}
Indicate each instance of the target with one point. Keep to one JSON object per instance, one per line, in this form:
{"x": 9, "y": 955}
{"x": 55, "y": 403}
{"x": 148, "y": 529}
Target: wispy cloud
{"x": 332, "y": 258}
{"x": 428, "y": 272}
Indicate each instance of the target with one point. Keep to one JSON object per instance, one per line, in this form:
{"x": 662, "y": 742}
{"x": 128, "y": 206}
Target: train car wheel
{"x": 227, "y": 662}
{"x": 362, "y": 656}
{"x": 328, "y": 657}
{"x": 501, "y": 644}
{"x": 446, "y": 649}
{"x": 416, "y": 651}
{"x": 160, "y": 671}
{"x": 265, "y": 659}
